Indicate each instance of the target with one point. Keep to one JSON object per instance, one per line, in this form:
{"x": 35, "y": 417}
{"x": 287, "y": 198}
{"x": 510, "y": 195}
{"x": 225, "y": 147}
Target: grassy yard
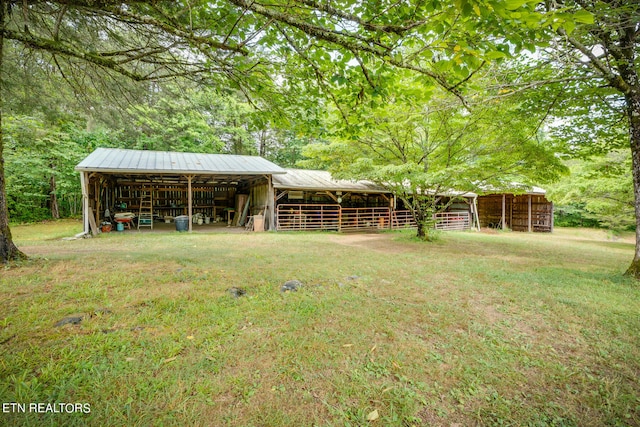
{"x": 475, "y": 329}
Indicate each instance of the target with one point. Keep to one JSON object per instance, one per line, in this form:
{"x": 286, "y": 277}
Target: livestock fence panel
{"x": 452, "y": 221}
{"x": 307, "y": 217}
{"x": 290, "y": 217}
{"x": 361, "y": 219}
{"x": 402, "y": 219}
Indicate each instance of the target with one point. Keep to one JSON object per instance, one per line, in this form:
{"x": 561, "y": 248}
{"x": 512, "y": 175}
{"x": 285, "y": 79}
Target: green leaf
{"x": 583, "y": 16}
{"x": 514, "y": 4}
{"x": 569, "y": 26}
{"x": 495, "y": 54}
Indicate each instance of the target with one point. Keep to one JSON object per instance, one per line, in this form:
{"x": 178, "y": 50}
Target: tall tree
{"x": 587, "y": 67}
{"x": 608, "y": 51}
{"x": 425, "y": 146}
{"x": 8, "y": 249}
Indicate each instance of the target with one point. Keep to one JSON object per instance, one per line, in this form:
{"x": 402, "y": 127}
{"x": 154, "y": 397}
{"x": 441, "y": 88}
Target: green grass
{"x": 474, "y": 329}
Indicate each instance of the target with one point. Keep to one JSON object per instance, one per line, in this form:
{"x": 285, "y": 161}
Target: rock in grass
{"x": 68, "y": 321}
{"x": 236, "y": 292}
{"x": 291, "y": 285}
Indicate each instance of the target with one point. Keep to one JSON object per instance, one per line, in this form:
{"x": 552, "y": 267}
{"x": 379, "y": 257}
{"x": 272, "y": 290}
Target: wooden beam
{"x": 190, "y": 202}
{"x": 271, "y": 204}
{"x": 477, "y": 214}
{"x": 84, "y": 183}
{"x": 513, "y": 201}
{"x": 92, "y": 223}
{"x": 98, "y": 199}
{"x": 328, "y": 193}
{"x": 530, "y": 220}
{"x": 504, "y": 211}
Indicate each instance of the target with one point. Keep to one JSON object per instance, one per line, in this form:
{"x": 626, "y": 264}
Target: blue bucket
{"x": 120, "y": 226}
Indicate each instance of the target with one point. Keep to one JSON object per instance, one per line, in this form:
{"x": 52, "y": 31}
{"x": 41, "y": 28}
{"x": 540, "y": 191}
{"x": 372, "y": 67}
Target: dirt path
{"x": 376, "y": 242}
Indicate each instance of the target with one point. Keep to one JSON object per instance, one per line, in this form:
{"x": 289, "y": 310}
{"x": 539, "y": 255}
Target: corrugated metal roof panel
{"x": 515, "y": 188}
{"x": 313, "y": 180}
{"x": 118, "y": 160}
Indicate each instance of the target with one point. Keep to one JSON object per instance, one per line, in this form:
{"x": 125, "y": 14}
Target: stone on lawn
{"x": 236, "y": 292}
{"x": 68, "y": 321}
{"x": 291, "y": 285}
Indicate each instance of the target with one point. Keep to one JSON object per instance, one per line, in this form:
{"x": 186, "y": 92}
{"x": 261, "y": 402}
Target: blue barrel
{"x": 120, "y": 226}
{"x": 182, "y": 222}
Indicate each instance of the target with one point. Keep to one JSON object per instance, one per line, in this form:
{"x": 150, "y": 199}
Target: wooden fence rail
{"x": 291, "y": 217}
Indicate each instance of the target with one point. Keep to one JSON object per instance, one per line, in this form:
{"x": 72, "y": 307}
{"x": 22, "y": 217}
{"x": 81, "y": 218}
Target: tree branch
{"x": 397, "y": 29}
{"x": 117, "y": 12}
{"x": 596, "y": 64}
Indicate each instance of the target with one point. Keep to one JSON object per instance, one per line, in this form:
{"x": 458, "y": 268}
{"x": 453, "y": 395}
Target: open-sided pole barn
{"x": 170, "y": 184}
{"x": 157, "y": 185}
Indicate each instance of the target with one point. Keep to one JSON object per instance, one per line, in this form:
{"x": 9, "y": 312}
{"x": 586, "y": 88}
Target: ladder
{"x": 145, "y": 216}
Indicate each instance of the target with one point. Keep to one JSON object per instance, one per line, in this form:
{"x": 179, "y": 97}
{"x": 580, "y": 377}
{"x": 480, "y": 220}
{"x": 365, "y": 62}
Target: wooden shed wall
{"x": 521, "y": 212}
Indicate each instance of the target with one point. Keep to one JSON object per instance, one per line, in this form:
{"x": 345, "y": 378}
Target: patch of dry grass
{"x": 475, "y": 329}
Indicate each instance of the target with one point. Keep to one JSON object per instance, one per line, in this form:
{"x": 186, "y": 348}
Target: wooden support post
{"x": 190, "y": 202}
{"x": 92, "y": 223}
{"x": 98, "y": 190}
{"x": 551, "y": 219}
{"x": 530, "y": 223}
{"x": 513, "y": 201}
{"x": 84, "y": 183}
{"x": 504, "y": 212}
{"x": 271, "y": 204}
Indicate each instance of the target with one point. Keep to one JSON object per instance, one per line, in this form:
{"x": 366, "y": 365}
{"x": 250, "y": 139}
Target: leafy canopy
{"x": 424, "y": 139}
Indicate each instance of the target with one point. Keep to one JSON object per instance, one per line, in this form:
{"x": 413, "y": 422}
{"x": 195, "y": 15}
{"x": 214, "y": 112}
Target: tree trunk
{"x": 53, "y": 199}
{"x": 633, "y": 113}
{"x": 421, "y": 209}
{"x": 423, "y": 230}
{"x": 8, "y": 250}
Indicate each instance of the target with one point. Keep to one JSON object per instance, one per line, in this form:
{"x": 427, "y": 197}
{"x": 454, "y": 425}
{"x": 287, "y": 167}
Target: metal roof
{"x": 515, "y": 188}
{"x": 117, "y": 160}
{"x": 536, "y": 190}
{"x": 314, "y": 180}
